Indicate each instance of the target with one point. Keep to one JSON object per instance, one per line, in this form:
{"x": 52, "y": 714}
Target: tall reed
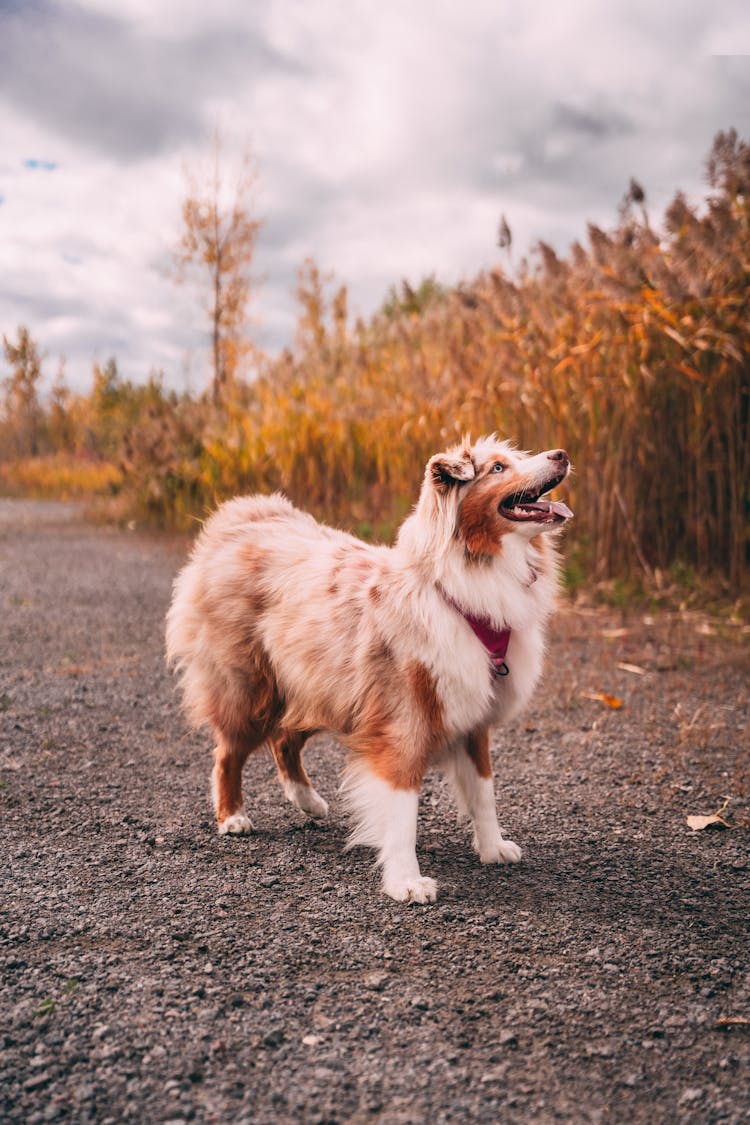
{"x": 633, "y": 352}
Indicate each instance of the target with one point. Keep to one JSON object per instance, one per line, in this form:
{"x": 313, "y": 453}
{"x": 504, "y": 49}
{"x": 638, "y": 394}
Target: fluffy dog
{"x": 281, "y": 626}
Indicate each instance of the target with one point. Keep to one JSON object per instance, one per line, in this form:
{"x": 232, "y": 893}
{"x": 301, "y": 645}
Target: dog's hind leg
{"x": 287, "y": 749}
{"x": 245, "y": 711}
{"x": 230, "y": 756}
{"x": 470, "y": 769}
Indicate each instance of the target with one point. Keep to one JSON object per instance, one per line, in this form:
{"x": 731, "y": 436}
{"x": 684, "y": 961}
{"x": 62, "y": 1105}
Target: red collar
{"x": 494, "y": 640}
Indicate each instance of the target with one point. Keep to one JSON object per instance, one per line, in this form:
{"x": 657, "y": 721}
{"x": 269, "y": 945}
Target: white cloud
{"x": 389, "y": 138}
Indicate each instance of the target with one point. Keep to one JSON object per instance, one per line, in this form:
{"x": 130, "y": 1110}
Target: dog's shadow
{"x": 571, "y": 870}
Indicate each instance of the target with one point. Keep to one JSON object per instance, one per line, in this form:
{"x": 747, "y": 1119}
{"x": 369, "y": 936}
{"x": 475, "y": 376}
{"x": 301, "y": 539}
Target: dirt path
{"x": 152, "y": 971}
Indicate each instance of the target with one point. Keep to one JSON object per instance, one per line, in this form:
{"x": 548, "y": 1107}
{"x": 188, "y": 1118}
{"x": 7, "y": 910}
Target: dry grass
{"x": 60, "y": 476}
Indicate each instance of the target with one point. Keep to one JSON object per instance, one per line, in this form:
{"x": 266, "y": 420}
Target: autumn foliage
{"x": 632, "y": 352}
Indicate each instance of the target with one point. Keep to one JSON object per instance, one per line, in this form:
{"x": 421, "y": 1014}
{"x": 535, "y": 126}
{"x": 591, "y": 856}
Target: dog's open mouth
{"x": 528, "y": 507}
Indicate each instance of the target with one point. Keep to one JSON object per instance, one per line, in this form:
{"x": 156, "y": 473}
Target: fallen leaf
{"x": 697, "y": 823}
{"x": 602, "y": 697}
{"x": 634, "y": 668}
{"x": 612, "y": 634}
{"x": 733, "y": 1021}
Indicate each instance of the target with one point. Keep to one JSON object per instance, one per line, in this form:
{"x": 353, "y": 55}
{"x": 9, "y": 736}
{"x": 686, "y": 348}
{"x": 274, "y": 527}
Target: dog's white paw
{"x": 417, "y": 889}
{"x": 502, "y": 851}
{"x": 238, "y": 824}
{"x": 314, "y": 805}
{"x": 306, "y": 799}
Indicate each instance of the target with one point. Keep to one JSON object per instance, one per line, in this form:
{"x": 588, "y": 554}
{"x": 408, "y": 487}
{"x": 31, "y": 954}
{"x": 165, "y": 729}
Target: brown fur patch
{"x": 447, "y": 470}
{"x": 229, "y": 758}
{"x": 389, "y": 760}
{"x": 479, "y": 525}
{"x": 402, "y": 723}
{"x": 245, "y": 707}
{"x": 287, "y": 748}
{"x": 424, "y": 688}
{"x": 379, "y": 660}
{"x": 243, "y": 713}
{"x": 477, "y": 746}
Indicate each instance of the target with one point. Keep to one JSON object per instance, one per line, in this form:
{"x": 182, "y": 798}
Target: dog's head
{"x": 483, "y": 492}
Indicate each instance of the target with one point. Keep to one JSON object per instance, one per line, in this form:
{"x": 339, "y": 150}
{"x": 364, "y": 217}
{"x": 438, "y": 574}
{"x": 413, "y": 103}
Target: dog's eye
{"x": 498, "y": 467}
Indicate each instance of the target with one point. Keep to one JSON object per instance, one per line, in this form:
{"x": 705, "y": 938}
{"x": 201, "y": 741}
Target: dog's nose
{"x": 558, "y": 455}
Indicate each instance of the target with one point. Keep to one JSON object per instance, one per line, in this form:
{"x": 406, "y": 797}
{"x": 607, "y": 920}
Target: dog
{"x": 280, "y": 626}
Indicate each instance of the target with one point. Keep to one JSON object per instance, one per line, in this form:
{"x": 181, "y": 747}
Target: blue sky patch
{"x": 41, "y": 165}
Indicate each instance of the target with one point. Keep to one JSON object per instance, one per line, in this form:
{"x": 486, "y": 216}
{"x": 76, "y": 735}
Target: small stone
{"x": 311, "y": 1040}
{"x": 274, "y": 1038}
{"x": 690, "y": 1096}
{"x": 376, "y": 981}
{"x": 497, "y": 1074}
{"x": 600, "y": 1050}
{"x": 38, "y": 1081}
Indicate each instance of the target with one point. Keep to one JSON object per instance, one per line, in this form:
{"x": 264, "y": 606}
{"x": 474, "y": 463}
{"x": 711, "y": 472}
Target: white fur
{"x": 307, "y": 799}
{"x": 475, "y": 800}
{"x": 504, "y": 591}
{"x": 238, "y": 824}
{"x": 386, "y": 819}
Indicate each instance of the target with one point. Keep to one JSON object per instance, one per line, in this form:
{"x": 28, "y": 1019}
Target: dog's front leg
{"x": 470, "y": 769}
{"x": 402, "y": 879}
{"x": 385, "y": 818}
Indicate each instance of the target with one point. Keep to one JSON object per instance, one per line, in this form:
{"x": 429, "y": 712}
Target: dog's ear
{"x": 446, "y": 470}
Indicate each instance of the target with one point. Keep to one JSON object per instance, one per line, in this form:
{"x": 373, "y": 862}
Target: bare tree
{"x": 20, "y": 409}
{"x": 218, "y": 241}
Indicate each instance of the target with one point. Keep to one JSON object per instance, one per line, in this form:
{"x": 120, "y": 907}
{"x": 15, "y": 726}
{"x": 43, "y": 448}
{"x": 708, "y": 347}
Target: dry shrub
{"x": 61, "y": 476}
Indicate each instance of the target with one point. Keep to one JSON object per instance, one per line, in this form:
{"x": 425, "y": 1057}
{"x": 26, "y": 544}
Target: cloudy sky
{"x": 390, "y": 135}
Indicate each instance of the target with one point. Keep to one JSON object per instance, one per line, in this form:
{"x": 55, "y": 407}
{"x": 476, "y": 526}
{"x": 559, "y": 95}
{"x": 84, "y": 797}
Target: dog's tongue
{"x": 560, "y": 509}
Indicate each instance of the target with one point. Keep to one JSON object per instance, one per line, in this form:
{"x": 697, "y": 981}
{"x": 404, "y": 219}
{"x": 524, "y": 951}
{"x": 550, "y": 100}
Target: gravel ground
{"x": 153, "y": 971}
